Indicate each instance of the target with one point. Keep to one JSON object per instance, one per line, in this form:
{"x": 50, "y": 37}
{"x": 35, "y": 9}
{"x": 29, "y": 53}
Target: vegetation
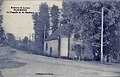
{"x": 86, "y": 20}
{"x": 54, "y": 17}
{"x": 2, "y": 34}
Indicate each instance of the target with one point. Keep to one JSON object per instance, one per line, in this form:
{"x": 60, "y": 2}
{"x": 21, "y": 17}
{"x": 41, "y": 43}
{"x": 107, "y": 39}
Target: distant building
{"x": 57, "y": 44}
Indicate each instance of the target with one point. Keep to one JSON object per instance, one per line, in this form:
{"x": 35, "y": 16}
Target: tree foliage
{"x": 10, "y": 39}
{"x": 2, "y": 35}
{"x": 25, "y": 40}
{"x": 54, "y": 17}
{"x": 41, "y": 26}
{"x": 85, "y": 16}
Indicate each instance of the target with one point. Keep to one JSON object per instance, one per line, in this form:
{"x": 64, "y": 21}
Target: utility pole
{"x": 33, "y": 36}
{"x": 59, "y": 43}
{"x": 102, "y": 29}
{"x": 101, "y": 58}
{"x": 68, "y": 40}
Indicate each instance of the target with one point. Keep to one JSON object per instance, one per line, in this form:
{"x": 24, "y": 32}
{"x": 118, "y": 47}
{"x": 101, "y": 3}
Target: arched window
{"x": 77, "y": 36}
{"x": 77, "y": 47}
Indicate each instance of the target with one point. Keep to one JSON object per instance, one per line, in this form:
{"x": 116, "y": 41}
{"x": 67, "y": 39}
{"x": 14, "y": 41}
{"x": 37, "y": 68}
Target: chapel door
{"x": 50, "y": 51}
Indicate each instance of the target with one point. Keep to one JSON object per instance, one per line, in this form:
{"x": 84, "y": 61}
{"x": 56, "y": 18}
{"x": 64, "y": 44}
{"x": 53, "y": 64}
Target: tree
{"x": 44, "y": 18}
{"x": 10, "y": 38}
{"x": 36, "y": 30}
{"x": 25, "y": 40}
{"x": 2, "y": 35}
{"x": 25, "y": 44}
{"x": 78, "y": 21}
{"x": 41, "y": 27}
{"x": 112, "y": 29}
{"x": 86, "y": 19}
{"x": 54, "y": 17}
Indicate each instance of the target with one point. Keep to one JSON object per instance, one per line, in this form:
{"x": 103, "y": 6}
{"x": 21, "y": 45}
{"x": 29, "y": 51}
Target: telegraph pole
{"x": 101, "y": 58}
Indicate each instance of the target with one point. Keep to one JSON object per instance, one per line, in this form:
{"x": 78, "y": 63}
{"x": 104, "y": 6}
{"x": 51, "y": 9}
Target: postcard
{"x": 59, "y": 38}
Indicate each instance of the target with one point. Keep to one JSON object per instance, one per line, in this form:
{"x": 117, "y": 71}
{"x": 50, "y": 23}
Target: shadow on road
{"x": 5, "y": 64}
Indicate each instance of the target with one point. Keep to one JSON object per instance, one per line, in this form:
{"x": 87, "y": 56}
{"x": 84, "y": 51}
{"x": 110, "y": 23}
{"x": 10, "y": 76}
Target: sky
{"x": 21, "y": 25}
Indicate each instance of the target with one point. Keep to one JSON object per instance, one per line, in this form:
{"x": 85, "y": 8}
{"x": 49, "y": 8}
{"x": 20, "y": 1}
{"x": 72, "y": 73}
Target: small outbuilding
{"x": 58, "y": 44}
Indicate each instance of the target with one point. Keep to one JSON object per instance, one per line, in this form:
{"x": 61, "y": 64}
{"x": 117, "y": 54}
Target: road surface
{"x": 21, "y": 64}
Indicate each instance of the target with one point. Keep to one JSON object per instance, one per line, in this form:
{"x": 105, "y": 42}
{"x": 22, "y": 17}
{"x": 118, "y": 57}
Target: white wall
{"x": 54, "y": 45}
{"x": 64, "y": 47}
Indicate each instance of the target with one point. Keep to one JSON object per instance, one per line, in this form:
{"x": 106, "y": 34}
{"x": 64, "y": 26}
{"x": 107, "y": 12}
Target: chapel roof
{"x": 61, "y": 31}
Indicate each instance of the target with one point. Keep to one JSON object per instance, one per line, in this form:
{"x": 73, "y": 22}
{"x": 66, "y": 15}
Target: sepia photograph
{"x": 59, "y": 38}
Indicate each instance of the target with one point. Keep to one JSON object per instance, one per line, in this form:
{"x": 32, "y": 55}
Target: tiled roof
{"x": 59, "y": 32}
